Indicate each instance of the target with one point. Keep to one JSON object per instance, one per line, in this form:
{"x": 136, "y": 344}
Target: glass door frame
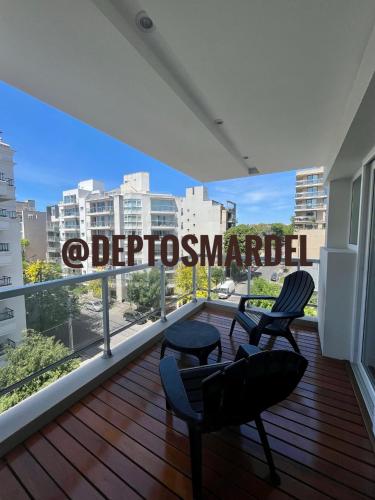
{"x": 364, "y": 238}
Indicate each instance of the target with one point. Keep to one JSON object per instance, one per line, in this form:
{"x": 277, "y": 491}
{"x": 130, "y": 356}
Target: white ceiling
{"x": 279, "y": 73}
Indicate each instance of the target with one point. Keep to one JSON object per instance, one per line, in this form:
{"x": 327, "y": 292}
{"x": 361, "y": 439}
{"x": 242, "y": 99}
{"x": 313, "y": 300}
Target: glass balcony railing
{"x": 78, "y": 317}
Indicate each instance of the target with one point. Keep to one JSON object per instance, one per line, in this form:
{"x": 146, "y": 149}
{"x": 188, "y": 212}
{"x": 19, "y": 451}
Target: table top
{"x": 192, "y": 335}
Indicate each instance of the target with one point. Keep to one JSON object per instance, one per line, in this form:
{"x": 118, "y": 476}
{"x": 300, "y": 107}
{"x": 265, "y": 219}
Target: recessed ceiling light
{"x": 144, "y": 22}
{"x": 218, "y": 121}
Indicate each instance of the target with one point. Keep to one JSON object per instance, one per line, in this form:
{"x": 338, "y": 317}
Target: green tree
{"x": 235, "y": 272}
{"x": 217, "y": 275}
{"x": 40, "y": 270}
{"x": 95, "y": 288}
{"x": 281, "y": 229}
{"x": 33, "y": 354}
{"x": 144, "y": 289}
{"x": 50, "y": 307}
{"x": 25, "y": 243}
{"x": 240, "y": 231}
{"x": 184, "y": 281}
{"x": 260, "y": 286}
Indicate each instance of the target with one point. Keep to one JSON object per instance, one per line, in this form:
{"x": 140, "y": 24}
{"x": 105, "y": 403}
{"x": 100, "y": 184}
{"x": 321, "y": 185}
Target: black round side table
{"x": 192, "y": 337}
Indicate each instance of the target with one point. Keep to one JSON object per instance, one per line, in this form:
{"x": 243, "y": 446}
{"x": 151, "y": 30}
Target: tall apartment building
{"x": 132, "y": 209}
{"x": 53, "y": 253}
{"x": 311, "y": 208}
{"x": 72, "y": 214}
{"x": 33, "y": 228}
{"x": 199, "y": 215}
{"x": 12, "y": 311}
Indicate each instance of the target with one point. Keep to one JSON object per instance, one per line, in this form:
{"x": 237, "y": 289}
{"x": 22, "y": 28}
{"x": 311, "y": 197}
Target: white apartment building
{"x": 12, "y": 311}
{"x": 72, "y": 214}
{"x": 132, "y": 209}
{"x": 199, "y": 215}
{"x": 311, "y": 208}
{"x": 33, "y": 229}
{"x": 53, "y": 233}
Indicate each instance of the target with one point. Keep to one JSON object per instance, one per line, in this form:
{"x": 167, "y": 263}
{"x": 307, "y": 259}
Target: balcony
{"x": 309, "y": 182}
{"x": 101, "y": 210}
{"x": 5, "y": 281}
{"x": 308, "y": 194}
{"x": 6, "y": 314}
{"x": 7, "y": 190}
{"x": 317, "y": 206}
{"x": 318, "y": 438}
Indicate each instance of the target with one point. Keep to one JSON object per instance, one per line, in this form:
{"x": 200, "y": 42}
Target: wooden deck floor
{"x": 120, "y": 443}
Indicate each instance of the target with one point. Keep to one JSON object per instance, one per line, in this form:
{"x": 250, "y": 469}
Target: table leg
{"x": 203, "y": 358}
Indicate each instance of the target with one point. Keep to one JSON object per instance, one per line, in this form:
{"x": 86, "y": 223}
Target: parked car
{"x": 275, "y": 276}
{"x": 225, "y": 289}
{"x": 94, "y": 306}
{"x": 135, "y": 317}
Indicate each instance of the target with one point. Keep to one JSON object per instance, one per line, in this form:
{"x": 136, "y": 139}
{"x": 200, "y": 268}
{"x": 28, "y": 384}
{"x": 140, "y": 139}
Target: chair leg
{"x": 274, "y": 477}
{"x": 292, "y": 341}
{"x": 232, "y": 327}
{"x": 195, "y": 439}
{"x": 162, "y": 350}
{"x": 254, "y": 337}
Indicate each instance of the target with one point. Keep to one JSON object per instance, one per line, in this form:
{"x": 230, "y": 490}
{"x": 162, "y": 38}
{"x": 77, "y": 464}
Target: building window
{"x": 163, "y": 205}
{"x": 354, "y": 215}
{"x": 132, "y": 204}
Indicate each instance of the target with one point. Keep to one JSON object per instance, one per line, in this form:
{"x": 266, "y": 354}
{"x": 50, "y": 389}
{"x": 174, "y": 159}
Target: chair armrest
{"x": 283, "y": 315}
{"x": 175, "y": 391}
{"x": 245, "y": 298}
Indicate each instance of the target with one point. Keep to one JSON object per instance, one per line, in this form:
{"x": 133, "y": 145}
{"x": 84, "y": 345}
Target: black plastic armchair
{"x": 211, "y": 397}
{"x": 289, "y": 305}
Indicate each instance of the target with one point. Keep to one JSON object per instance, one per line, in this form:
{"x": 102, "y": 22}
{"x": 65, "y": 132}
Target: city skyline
{"x": 50, "y": 144}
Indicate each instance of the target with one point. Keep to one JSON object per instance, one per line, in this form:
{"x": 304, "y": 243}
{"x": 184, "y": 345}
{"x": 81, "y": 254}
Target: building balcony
{"x": 6, "y": 314}
{"x": 318, "y": 206}
{"x": 309, "y": 182}
{"x": 72, "y": 215}
{"x": 100, "y": 225}
{"x": 5, "y": 257}
{"x": 307, "y": 194}
{"x": 5, "y": 281}
{"x": 101, "y": 210}
{"x": 7, "y": 190}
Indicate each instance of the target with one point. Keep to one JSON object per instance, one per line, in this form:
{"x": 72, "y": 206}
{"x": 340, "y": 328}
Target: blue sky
{"x": 54, "y": 151}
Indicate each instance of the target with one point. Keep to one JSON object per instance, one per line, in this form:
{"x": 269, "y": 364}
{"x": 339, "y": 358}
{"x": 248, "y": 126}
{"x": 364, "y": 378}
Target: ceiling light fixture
{"x": 144, "y": 22}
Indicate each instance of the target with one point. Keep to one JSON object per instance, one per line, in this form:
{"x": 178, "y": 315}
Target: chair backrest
{"x": 295, "y": 293}
{"x": 247, "y": 387}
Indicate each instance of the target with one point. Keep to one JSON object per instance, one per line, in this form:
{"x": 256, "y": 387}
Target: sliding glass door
{"x": 368, "y": 344}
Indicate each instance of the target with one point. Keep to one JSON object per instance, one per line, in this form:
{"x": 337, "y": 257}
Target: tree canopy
{"x": 144, "y": 289}
{"x": 50, "y": 307}
{"x": 34, "y": 353}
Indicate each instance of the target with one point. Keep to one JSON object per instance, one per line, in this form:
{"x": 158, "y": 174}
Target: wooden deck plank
{"x": 120, "y": 442}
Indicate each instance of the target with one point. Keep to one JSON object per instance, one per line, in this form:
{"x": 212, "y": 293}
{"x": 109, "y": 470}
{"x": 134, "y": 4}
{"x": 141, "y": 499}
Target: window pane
{"x": 354, "y": 218}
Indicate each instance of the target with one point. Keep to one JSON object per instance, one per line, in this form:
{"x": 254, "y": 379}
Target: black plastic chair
{"x": 294, "y": 296}
{"x": 214, "y": 396}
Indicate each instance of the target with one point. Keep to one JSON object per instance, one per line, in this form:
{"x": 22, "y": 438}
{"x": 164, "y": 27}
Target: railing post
{"x": 105, "y": 302}
{"x": 194, "y": 277}
{"x": 209, "y": 283}
{"x": 70, "y": 324}
{"x": 163, "y": 315}
{"x": 249, "y": 280}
